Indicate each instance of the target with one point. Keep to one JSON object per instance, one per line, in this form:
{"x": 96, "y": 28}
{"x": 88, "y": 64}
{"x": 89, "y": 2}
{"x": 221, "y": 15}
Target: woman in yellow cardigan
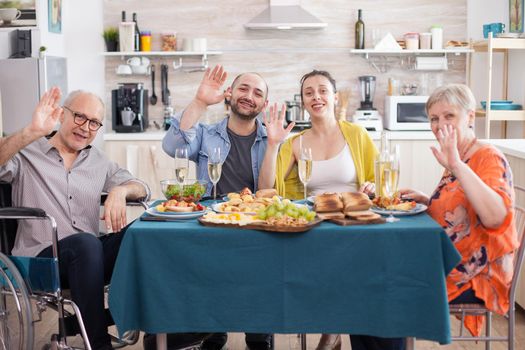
{"x": 343, "y": 160}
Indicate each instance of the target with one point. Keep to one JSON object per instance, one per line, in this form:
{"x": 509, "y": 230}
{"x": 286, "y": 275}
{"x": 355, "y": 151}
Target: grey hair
{"x": 74, "y": 94}
{"x": 457, "y": 95}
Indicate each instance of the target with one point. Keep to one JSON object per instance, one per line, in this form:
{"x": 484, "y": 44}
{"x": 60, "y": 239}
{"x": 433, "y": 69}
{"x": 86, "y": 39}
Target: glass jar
{"x": 437, "y": 37}
{"x": 145, "y": 40}
{"x": 169, "y": 41}
{"x": 412, "y": 41}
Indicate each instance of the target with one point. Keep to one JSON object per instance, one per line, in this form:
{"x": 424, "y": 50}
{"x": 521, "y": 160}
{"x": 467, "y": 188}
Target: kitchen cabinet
{"x": 142, "y": 154}
{"x": 381, "y": 60}
{"x": 514, "y": 150}
{"x": 491, "y": 46}
{"x": 146, "y": 160}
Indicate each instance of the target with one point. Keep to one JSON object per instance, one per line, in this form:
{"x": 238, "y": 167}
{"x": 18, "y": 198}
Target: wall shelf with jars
{"x": 177, "y": 64}
{"x": 420, "y": 59}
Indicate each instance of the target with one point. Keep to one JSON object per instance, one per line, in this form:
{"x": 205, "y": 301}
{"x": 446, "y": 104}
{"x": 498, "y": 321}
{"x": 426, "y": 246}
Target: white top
{"x": 337, "y": 174}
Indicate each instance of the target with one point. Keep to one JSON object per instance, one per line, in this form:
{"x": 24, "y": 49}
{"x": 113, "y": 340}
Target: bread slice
{"x": 328, "y": 202}
{"x": 266, "y": 193}
{"x": 355, "y": 201}
{"x": 366, "y": 218}
{"x": 331, "y": 215}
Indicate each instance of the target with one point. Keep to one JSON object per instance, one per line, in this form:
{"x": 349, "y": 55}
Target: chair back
{"x": 520, "y": 228}
{"x": 7, "y": 227}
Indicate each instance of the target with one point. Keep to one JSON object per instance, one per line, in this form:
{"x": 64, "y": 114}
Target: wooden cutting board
{"x": 350, "y": 222}
{"x": 265, "y": 227}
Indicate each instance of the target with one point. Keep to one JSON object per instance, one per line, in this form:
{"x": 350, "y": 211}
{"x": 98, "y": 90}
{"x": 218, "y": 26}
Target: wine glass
{"x": 391, "y": 178}
{"x": 214, "y": 168}
{"x": 182, "y": 164}
{"x": 305, "y": 166}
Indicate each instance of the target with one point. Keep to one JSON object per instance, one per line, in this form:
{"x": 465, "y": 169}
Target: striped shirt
{"x": 40, "y": 180}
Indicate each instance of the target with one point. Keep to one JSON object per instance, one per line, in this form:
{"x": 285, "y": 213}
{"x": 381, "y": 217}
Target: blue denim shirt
{"x": 203, "y": 137}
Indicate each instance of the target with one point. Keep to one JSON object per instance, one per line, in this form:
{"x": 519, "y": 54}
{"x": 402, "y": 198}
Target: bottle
{"x": 137, "y": 33}
{"x": 359, "y": 32}
{"x": 382, "y": 161}
{"x": 437, "y": 37}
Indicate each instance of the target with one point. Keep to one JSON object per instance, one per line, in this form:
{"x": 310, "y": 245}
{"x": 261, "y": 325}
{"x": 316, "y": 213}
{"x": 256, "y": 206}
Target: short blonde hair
{"x": 456, "y": 95}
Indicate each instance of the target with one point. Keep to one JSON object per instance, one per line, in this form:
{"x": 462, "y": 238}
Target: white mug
{"x": 134, "y": 61}
{"x": 142, "y": 69}
{"x": 124, "y": 69}
{"x": 128, "y": 116}
{"x": 9, "y": 14}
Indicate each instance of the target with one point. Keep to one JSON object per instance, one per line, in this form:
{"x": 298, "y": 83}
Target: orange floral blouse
{"x": 487, "y": 254}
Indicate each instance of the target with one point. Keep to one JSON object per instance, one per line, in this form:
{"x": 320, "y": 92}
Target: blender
{"x": 367, "y": 116}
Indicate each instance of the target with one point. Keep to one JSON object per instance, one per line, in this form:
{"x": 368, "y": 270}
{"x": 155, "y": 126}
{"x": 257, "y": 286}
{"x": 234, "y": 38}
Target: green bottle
{"x": 359, "y": 32}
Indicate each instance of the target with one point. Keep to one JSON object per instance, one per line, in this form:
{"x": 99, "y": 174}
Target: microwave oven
{"x": 406, "y": 113}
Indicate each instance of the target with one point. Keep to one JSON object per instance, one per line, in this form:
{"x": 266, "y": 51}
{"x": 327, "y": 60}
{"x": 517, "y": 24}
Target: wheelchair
{"x": 28, "y": 281}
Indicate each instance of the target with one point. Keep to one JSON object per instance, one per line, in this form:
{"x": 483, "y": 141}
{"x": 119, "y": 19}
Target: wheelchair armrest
{"x": 21, "y": 213}
{"x": 131, "y": 203}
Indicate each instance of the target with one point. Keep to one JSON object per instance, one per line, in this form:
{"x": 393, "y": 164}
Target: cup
{"x": 134, "y": 61}
{"x": 126, "y": 36}
{"x": 124, "y": 69}
{"x": 142, "y": 69}
{"x": 127, "y": 116}
{"x": 7, "y": 15}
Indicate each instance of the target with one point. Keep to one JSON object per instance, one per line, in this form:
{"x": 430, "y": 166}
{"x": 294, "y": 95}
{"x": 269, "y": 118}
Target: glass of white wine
{"x": 391, "y": 179}
{"x": 182, "y": 164}
{"x": 304, "y": 166}
{"x": 214, "y": 168}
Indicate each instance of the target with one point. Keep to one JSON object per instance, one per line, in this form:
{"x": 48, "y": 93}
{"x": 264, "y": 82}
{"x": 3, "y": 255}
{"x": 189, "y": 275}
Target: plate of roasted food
{"x": 396, "y": 206}
{"x": 177, "y": 210}
{"x": 278, "y": 216}
{"x": 245, "y": 201}
{"x": 346, "y": 208}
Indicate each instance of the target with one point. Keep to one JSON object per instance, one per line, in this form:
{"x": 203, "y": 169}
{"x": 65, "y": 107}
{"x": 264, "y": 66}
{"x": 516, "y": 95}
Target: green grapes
{"x": 279, "y": 208}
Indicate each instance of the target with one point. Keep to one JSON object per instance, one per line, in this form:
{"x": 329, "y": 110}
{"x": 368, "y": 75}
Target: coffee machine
{"x": 367, "y": 115}
{"x": 129, "y": 105}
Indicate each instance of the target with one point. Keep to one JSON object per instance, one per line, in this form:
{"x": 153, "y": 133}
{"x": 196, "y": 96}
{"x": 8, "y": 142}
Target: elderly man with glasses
{"x": 61, "y": 173}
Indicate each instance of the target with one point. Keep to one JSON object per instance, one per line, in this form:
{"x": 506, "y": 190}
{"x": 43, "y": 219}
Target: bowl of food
{"x": 192, "y": 191}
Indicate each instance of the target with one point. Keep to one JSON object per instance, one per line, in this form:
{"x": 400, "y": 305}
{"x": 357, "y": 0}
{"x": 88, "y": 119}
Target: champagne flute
{"x": 214, "y": 168}
{"x": 305, "y": 167}
{"x": 391, "y": 179}
{"x": 182, "y": 164}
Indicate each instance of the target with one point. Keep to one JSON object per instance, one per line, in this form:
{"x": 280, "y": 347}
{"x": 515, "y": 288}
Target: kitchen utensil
{"x": 164, "y": 84}
{"x": 153, "y": 98}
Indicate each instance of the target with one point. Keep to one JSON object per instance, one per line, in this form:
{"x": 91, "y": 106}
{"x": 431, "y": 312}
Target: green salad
{"x": 189, "y": 193}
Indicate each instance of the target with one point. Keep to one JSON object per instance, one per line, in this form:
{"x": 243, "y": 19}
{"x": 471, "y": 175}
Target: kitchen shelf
{"x": 177, "y": 65}
{"x": 490, "y": 46}
{"x": 379, "y": 59}
{"x": 161, "y": 53}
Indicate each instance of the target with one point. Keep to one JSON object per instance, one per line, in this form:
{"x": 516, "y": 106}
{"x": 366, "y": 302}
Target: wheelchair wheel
{"x": 16, "y": 324}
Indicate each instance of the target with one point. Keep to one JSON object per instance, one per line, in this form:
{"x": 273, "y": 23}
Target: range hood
{"x": 285, "y": 14}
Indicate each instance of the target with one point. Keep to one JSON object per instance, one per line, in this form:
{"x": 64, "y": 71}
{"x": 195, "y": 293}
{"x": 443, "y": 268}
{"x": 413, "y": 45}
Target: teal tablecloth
{"x": 386, "y": 280}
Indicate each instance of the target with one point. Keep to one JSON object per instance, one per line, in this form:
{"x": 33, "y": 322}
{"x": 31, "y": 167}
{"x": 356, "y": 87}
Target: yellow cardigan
{"x": 362, "y": 149}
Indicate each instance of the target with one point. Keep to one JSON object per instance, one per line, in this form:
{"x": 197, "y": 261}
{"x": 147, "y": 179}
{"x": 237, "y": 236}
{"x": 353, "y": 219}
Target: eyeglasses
{"x": 81, "y": 119}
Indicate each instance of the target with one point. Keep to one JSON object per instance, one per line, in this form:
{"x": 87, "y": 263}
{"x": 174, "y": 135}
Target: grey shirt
{"x": 237, "y": 169}
{"x": 40, "y": 180}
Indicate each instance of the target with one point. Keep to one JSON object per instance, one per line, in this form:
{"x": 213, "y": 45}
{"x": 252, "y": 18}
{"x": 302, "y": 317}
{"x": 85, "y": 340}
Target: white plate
{"x": 175, "y": 215}
{"x": 419, "y": 208}
{"x": 216, "y": 209}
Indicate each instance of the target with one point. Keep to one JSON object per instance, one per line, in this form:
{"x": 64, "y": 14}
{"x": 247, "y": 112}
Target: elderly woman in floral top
{"x": 473, "y": 202}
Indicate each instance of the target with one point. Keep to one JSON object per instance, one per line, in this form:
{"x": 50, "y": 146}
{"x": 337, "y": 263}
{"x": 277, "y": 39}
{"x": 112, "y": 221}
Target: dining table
{"x": 385, "y": 280}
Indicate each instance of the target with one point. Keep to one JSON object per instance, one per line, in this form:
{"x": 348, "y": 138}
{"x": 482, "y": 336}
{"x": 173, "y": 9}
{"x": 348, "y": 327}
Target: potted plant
{"x": 111, "y": 38}
{"x": 42, "y": 51}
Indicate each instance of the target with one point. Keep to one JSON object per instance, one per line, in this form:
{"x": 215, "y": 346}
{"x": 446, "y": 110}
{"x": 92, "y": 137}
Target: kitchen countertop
{"x": 157, "y": 135}
{"x": 512, "y": 147}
